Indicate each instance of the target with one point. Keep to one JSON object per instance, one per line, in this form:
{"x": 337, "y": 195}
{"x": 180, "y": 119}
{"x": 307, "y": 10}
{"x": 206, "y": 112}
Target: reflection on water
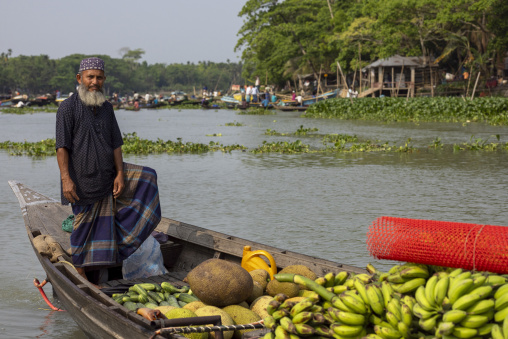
{"x": 318, "y": 204}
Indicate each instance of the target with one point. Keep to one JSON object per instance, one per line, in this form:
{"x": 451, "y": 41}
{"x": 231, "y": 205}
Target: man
{"x": 116, "y": 205}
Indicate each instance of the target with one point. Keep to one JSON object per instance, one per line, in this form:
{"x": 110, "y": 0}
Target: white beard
{"x": 95, "y": 98}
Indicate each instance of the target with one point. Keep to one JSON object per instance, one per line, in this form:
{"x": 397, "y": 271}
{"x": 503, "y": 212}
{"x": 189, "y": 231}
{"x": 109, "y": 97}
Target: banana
{"x": 318, "y": 318}
{"x": 386, "y": 332}
{"x": 500, "y": 291}
{"x": 323, "y": 331}
{"x": 347, "y": 331}
{"x": 301, "y": 306}
{"x": 360, "y": 288}
{"x": 364, "y": 278}
{"x": 474, "y": 321}
{"x": 337, "y": 303}
{"x": 281, "y": 333}
{"x": 374, "y": 319}
{"x": 445, "y": 328}
{"x": 430, "y": 289}
{"x": 349, "y": 283}
{"x": 505, "y": 327}
{"x": 409, "y": 301}
{"x": 464, "y": 332}
{"x": 374, "y": 300}
{"x": 329, "y": 279}
{"x": 500, "y": 315}
{"x": 304, "y": 329}
{"x": 414, "y": 272}
{"x": 428, "y": 324}
{"x": 466, "y": 301}
{"x": 458, "y": 289}
{"x": 483, "y": 291}
{"x": 288, "y": 304}
{"x": 411, "y": 285}
{"x": 372, "y": 336}
{"x": 288, "y": 325}
{"x": 371, "y": 269}
{"x": 348, "y": 318}
{"x": 455, "y": 272}
{"x": 269, "y": 335}
{"x": 501, "y": 302}
{"x": 293, "y": 336}
{"x": 337, "y": 289}
{"x": 396, "y": 278}
{"x": 391, "y": 319}
{"x": 422, "y": 313}
{"x": 354, "y": 304}
{"x": 277, "y": 315}
{"x": 481, "y": 306}
{"x": 302, "y": 317}
{"x": 496, "y": 332}
{"x": 460, "y": 277}
{"x": 280, "y": 297}
{"x": 320, "y": 309}
{"x": 387, "y": 292}
{"x": 495, "y": 280}
{"x": 422, "y": 300}
{"x": 340, "y": 278}
{"x": 478, "y": 281}
{"x": 403, "y": 329}
{"x": 441, "y": 290}
{"x": 394, "y": 307}
{"x": 485, "y": 329}
{"x": 269, "y": 322}
{"x": 309, "y": 294}
{"x": 273, "y": 306}
{"x": 407, "y": 315}
{"x": 454, "y": 316}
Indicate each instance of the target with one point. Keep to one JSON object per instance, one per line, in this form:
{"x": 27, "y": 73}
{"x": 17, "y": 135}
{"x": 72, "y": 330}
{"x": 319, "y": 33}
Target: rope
{"x": 203, "y": 329}
{"x": 474, "y": 245}
{"x": 68, "y": 263}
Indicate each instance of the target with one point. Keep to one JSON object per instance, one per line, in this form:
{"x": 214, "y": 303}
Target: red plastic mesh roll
{"x": 441, "y": 243}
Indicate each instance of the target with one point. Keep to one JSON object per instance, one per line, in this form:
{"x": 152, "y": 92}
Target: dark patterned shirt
{"x": 90, "y": 140}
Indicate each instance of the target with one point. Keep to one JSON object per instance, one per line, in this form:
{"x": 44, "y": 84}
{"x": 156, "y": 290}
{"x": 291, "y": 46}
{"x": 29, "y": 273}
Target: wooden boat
{"x": 97, "y": 314}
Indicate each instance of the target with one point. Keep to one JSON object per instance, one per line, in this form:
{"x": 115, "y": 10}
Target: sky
{"x": 169, "y": 31}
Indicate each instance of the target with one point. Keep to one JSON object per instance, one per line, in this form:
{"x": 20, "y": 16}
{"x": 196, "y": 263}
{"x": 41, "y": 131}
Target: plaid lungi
{"x": 103, "y": 236}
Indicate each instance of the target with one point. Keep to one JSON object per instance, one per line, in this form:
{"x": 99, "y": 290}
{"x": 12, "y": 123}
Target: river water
{"x": 317, "y": 204}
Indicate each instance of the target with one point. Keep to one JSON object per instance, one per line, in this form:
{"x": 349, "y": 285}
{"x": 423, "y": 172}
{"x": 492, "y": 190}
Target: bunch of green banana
{"x": 500, "y": 331}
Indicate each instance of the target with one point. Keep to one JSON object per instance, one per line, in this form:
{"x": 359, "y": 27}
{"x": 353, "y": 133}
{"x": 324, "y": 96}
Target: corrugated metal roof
{"x": 399, "y": 61}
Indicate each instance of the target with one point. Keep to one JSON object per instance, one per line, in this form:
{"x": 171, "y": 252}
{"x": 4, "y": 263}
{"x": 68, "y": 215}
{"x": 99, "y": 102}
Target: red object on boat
{"x": 40, "y": 286}
{"x": 442, "y": 243}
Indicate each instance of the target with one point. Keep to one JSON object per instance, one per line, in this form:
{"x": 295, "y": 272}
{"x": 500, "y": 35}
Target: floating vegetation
{"x": 300, "y": 131}
{"x": 233, "y": 124}
{"x": 491, "y": 110}
{"x": 282, "y": 147}
{"x": 29, "y": 109}
{"x": 39, "y": 148}
{"x": 334, "y": 143}
{"x": 256, "y": 111}
{"x": 214, "y": 135}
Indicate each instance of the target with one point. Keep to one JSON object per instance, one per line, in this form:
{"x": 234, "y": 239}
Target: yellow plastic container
{"x": 252, "y": 260}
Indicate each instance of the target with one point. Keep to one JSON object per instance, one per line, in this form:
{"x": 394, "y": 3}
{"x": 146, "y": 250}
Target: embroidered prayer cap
{"x": 91, "y": 63}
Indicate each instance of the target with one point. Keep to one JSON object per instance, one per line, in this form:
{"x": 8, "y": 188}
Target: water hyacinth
{"x": 491, "y": 110}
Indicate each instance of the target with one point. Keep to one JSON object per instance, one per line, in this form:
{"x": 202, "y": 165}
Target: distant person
{"x": 248, "y": 93}
{"x": 255, "y": 93}
{"x": 256, "y": 84}
{"x": 293, "y": 96}
{"x": 115, "y": 204}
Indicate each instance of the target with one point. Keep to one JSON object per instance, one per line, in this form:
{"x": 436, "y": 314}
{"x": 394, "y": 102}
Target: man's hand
{"x": 69, "y": 190}
{"x": 118, "y": 185}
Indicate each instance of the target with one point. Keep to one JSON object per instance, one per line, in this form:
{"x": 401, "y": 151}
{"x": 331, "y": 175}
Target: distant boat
{"x": 324, "y": 96}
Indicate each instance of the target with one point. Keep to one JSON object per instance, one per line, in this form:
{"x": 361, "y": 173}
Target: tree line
{"x": 40, "y": 75}
{"x": 283, "y": 38}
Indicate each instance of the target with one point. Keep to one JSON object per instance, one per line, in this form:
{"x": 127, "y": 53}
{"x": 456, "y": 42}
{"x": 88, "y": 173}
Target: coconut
{"x": 224, "y": 316}
{"x": 241, "y": 316}
{"x": 218, "y": 282}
